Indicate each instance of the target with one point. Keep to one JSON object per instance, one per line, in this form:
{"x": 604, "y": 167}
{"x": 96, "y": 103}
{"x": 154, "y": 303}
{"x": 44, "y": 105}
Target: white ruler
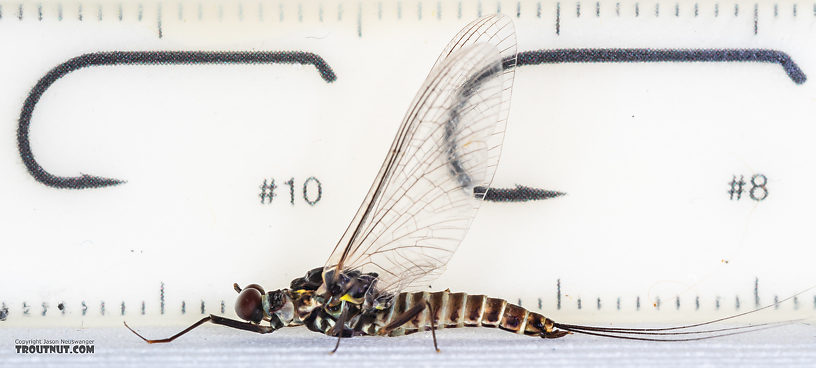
{"x": 681, "y": 133}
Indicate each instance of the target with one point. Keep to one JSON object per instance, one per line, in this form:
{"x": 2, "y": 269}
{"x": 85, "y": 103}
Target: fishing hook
{"x": 139, "y": 58}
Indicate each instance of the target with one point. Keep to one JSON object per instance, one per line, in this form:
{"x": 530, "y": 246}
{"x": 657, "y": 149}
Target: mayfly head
{"x": 248, "y": 305}
{"x": 254, "y": 305}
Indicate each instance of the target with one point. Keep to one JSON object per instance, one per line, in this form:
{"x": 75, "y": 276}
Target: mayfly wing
{"x": 421, "y": 203}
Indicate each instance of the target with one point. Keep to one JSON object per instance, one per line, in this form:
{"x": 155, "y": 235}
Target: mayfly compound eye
{"x": 248, "y": 305}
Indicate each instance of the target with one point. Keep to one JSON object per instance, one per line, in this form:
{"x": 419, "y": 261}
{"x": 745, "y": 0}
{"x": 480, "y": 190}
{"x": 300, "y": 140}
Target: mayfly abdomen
{"x": 450, "y": 310}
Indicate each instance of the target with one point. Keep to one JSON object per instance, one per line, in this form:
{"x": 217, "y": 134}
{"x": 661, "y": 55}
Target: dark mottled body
{"x": 447, "y": 309}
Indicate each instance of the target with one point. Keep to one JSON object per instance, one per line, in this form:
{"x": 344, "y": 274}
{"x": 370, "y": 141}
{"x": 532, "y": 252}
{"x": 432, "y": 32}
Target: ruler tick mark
{"x": 479, "y": 8}
{"x": 159, "y": 19}
{"x": 518, "y": 9}
{"x": 597, "y": 9}
{"x": 240, "y": 7}
{"x": 637, "y": 9}
{"x": 657, "y": 10}
{"x": 39, "y": 12}
{"x": 776, "y": 10}
{"x": 20, "y": 12}
{"x": 696, "y": 10}
{"x": 617, "y": 9}
{"x": 756, "y": 19}
{"x": 439, "y": 10}
{"x": 99, "y": 13}
{"x": 161, "y": 297}
{"x": 538, "y": 10}
{"x": 578, "y": 10}
{"x": 558, "y": 18}
{"x": 716, "y": 10}
{"x": 180, "y": 11}
{"x": 736, "y": 10}
{"x": 419, "y": 11}
{"x": 677, "y": 10}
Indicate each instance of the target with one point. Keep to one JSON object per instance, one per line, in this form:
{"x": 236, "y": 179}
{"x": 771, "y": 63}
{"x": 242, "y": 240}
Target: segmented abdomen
{"x": 451, "y": 310}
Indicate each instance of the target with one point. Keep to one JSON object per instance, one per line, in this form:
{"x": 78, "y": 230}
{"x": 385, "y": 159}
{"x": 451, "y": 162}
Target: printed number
{"x": 312, "y": 190}
{"x": 758, "y": 183}
{"x": 758, "y": 191}
{"x": 306, "y": 190}
{"x": 291, "y": 184}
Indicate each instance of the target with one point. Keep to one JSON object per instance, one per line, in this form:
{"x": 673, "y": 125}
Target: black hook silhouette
{"x": 138, "y": 57}
{"x": 663, "y": 55}
{"x": 520, "y": 193}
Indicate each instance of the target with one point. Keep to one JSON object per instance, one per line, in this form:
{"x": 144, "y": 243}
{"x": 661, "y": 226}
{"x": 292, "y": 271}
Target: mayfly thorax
{"x": 416, "y": 213}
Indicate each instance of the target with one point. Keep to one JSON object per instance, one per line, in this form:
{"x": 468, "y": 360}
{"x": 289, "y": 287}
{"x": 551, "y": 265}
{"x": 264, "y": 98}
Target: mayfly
{"x": 416, "y": 213}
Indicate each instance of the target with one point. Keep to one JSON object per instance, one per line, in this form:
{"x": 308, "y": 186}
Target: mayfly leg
{"x": 338, "y": 327}
{"x": 246, "y": 326}
{"x": 432, "y": 315}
